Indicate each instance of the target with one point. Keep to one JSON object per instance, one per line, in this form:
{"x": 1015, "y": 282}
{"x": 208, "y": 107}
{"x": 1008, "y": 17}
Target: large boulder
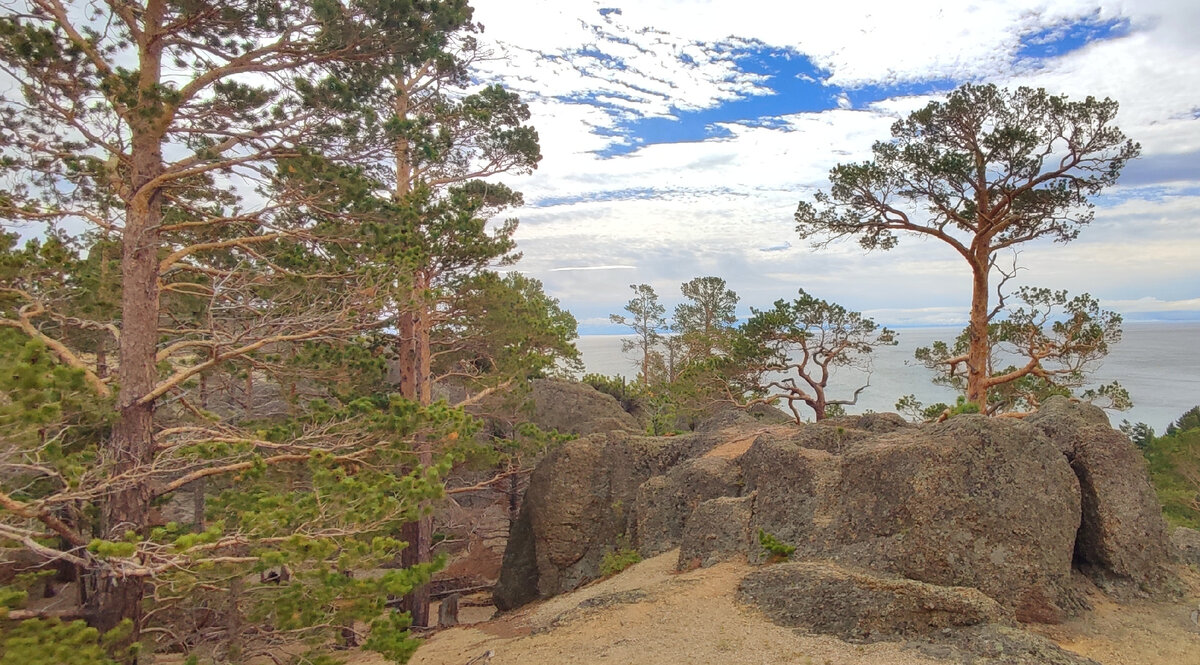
{"x": 978, "y": 502}
{"x": 665, "y": 502}
{"x": 579, "y": 506}
{"x": 718, "y": 530}
{"x": 1122, "y": 541}
{"x": 1187, "y": 545}
{"x": 725, "y": 416}
{"x": 577, "y": 408}
{"x": 997, "y": 644}
{"x": 823, "y": 597}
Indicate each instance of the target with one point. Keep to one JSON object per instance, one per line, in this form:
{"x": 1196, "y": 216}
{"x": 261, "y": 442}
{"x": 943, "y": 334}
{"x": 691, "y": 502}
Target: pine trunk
{"x": 979, "y": 349}
{"x": 131, "y": 447}
{"x": 416, "y": 385}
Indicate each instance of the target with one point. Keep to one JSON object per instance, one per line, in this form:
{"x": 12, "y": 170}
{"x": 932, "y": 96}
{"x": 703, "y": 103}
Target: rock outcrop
{"x": 1122, "y": 542}
{"x": 577, "y": 408}
{"x": 823, "y": 597}
{"x": 1004, "y": 507}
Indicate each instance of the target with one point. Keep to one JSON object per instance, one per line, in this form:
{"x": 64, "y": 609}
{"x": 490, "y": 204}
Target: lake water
{"x": 1158, "y": 363}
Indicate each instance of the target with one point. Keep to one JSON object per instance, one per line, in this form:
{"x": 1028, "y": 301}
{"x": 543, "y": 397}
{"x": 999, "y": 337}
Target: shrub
{"x": 618, "y": 560}
{"x": 775, "y": 549}
{"x": 1175, "y": 471}
{"x": 631, "y": 396}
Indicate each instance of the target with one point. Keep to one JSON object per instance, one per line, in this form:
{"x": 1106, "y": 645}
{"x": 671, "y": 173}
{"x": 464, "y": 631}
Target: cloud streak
{"x": 576, "y": 268}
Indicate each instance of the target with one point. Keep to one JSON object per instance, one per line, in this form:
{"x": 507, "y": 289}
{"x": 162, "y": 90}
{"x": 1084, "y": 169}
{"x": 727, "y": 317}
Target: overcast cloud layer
{"x": 679, "y": 136}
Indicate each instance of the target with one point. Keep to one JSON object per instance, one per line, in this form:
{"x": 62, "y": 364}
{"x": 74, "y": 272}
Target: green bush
{"x": 1175, "y": 471}
{"x": 630, "y": 395}
{"x": 773, "y": 548}
{"x": 55, "y": 642}
{"x": 618, "y": 560}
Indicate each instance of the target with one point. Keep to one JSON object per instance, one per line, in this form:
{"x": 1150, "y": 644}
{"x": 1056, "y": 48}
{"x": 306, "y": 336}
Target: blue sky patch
{"x": 797, "y": 86}
{"x": 794, "y": 79}
{"x": 1064, "y": 38}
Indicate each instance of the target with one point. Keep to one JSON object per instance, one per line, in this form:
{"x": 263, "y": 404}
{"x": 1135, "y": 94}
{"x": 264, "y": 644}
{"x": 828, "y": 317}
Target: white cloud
{"x": 593, "y": 268}
{"x": 678, "y": 210}
{"x": 1152, "y": 304}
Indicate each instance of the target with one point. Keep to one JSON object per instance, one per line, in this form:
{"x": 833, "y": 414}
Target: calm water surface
{"x": 1158, "y": 363}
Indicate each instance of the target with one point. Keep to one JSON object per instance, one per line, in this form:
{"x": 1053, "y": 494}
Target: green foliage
{"x": 662, "y": 410}
{"x": 54, "y": 642}
{"x": 508, "y": 327}
{"x": 961, "y": 406}
{"x": 773, "y": 548}
{"x": 835, "y": 411}
{"x": 1174, "y": 461}
{"x": 918, "y": 411}
{"x": 1188, "y": 421}
{"x": 631, "y": 396}
{"x": 618, "y": 560}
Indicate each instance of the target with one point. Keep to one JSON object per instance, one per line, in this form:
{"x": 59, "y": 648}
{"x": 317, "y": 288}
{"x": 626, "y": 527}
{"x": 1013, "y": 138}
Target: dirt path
{"x": 1137, "y": 633}
{"x": 651, "y": 615}
{"x": 648, "y": 614}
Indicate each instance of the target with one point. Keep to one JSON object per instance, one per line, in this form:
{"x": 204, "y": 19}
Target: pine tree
{"x": 789, "y": 353}
{"x": 187, "y": 139}
{"x": 646, "y": 320}
{"x": 706, "y": 318}
{"x": 984, "y": 171}
{"x": 436, "y": 143}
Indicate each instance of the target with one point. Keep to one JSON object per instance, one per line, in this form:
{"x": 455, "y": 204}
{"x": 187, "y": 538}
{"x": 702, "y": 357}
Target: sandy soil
{"x": 650, "y": 614}
{"x": 1136, "y": 633}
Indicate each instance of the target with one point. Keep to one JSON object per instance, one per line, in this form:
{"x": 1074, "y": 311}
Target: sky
{"x": 679, "y": 136}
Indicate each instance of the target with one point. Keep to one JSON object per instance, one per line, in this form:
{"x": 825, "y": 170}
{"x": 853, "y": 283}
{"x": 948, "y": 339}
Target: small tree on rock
{"x": 1047, "y": 345}
{"x": 789, "y": 352}
{"x": 646, "y": 320}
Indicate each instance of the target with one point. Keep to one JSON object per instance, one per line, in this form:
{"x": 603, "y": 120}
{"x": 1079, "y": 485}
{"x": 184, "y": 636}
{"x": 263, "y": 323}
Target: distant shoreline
{"x": 1154, "y": 361}
{"x": 933, "y": 326}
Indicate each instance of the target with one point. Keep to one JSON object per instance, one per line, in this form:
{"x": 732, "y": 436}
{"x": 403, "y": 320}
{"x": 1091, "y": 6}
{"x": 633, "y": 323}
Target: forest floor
{"x": 651, "y": 614}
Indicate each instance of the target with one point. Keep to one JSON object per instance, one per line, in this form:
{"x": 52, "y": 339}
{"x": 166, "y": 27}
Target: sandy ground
{"x": 1136, "y": 633}
{"x": 651, "y": 615}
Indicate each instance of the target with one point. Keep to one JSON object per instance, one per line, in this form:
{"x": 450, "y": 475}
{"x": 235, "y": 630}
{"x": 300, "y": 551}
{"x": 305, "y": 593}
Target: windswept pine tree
{"x": 984, "y": 171}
